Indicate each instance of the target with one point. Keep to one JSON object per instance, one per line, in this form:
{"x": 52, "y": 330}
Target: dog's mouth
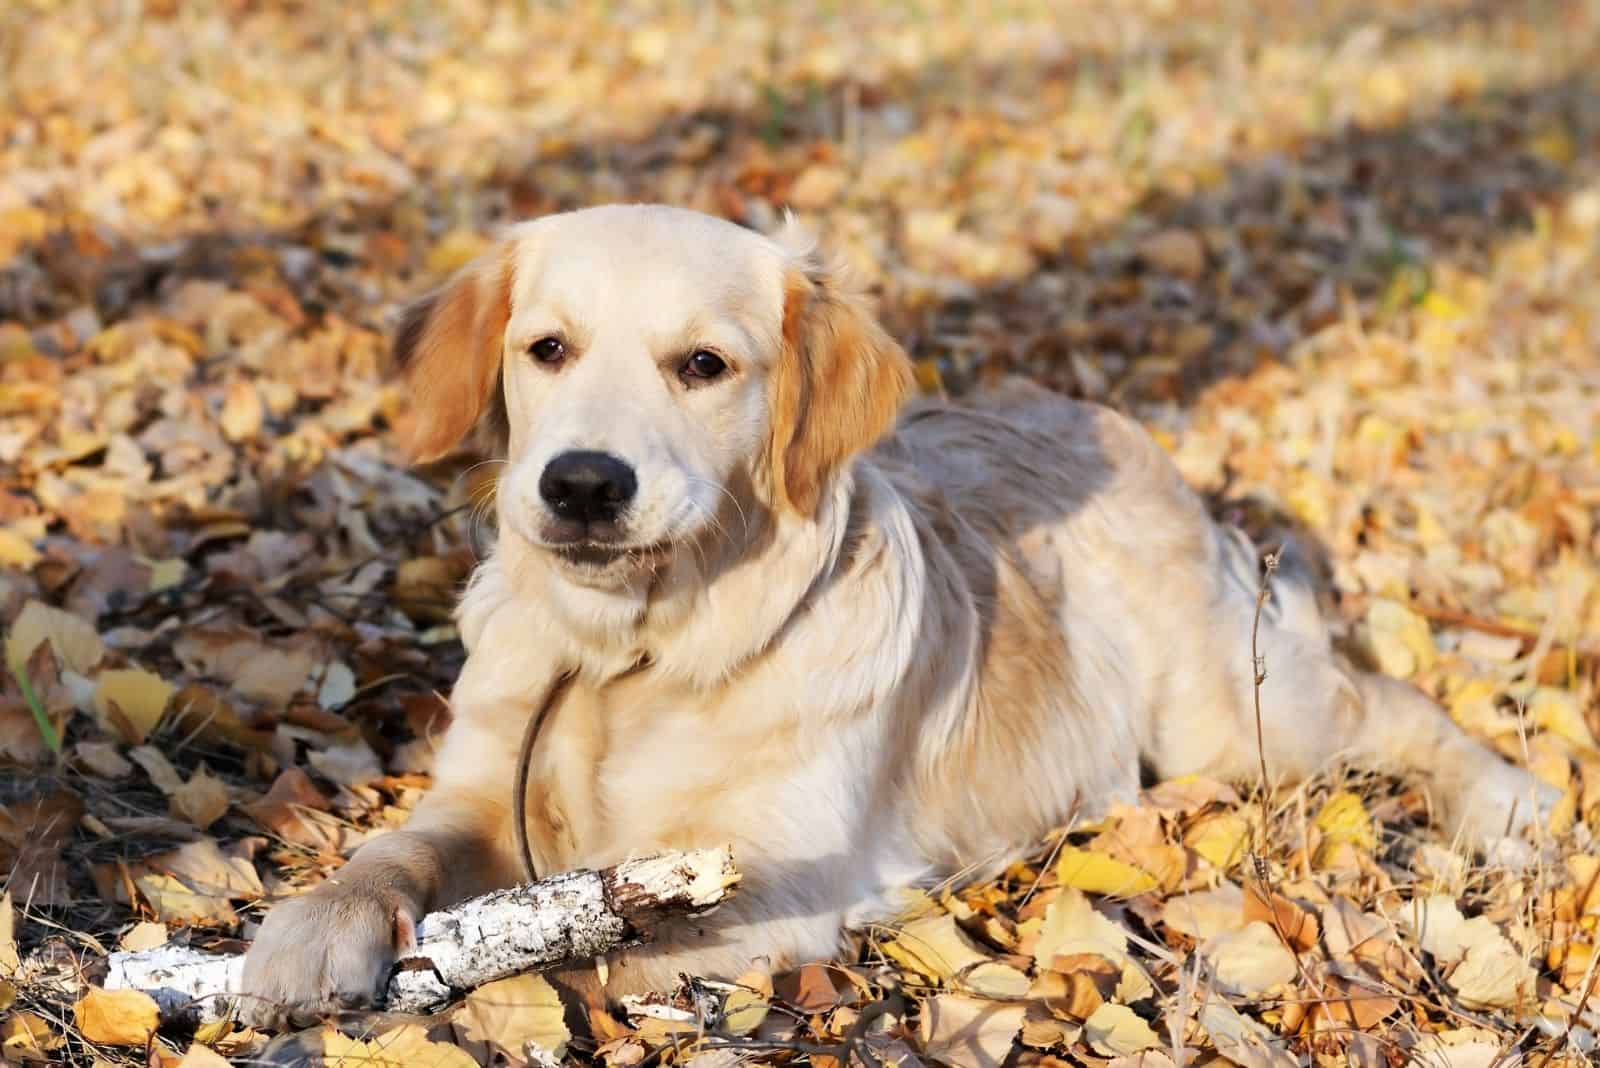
{"x": 600, "y": 555}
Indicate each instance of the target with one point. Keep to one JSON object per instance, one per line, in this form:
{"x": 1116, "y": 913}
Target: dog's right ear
{"x": 448, "y": 350}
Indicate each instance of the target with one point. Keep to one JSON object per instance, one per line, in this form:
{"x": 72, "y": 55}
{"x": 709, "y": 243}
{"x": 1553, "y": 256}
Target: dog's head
{"x": 651, "y": 369}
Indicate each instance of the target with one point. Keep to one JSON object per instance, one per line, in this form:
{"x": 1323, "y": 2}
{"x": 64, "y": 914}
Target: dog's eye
{"x": 547, "y": 350}
{"x": 703, "y": 365}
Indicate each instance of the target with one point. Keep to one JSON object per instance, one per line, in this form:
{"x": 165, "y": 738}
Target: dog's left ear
{"x": 837, "y": 388}
{"x": 448, "y": 352}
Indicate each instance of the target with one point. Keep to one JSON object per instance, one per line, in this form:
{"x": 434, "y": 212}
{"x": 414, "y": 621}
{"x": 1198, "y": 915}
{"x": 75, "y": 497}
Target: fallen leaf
{"x": 77, "y": 647}
{"x": 143, "y": 935}
{"x": 198, "y": 1056}
{"x": 117, "y": 1017}
{"x": 131, "y": 701}
{"x": 1249, "y": 962}
{"x": 514, "y": 1013}
{"x": 1115, "y": 1030}
{"x": 10, "y": 959}
{"x": 1099, "y": 873}
{"x": 967, "y": 1031}
{"x": 1398, "y": 639}
{"x": 202, "y": 800}
{"x": 934, "y": 946}
{"x": 1222, "y": 838}
{"x": 1071, "y": 925}
{"x": 1205, "y": 914}
{"x": 103, "y": 759}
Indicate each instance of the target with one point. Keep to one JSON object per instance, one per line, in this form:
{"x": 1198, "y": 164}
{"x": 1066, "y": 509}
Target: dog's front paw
{"x": 331, "y": 949}
{"x": 1501, "y": 809}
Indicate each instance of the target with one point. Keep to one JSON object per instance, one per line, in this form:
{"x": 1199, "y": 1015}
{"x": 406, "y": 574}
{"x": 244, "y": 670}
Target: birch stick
{"x": 566, "y": 918}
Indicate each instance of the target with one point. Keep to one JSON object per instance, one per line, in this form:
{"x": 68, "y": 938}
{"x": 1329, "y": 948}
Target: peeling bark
{"x": 568, "y": 917}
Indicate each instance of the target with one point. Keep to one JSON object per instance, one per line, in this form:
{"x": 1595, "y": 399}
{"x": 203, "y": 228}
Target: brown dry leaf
{"x": 156, "y": 765}
{"x": 1242, "y": 1040}
{"x": 242, "y": 411}
{"x": 809, "y": 988}
{"x": 202, "y": 800}
{"x": 117, "y": 1017}
{"x": 511, "y": 1014}
{"x": 969, "y": 1031}
{"x": 131, "y": 701}
{"x": 1286, "y": 918}
{"x": 1175, "y": 251}
{"x": 143, "y": 935}
{"x": 21, "y": 741}
{"x": 32, "y": 836}
{"x": 103, "y": 759}
{"x": 285, "y": 809}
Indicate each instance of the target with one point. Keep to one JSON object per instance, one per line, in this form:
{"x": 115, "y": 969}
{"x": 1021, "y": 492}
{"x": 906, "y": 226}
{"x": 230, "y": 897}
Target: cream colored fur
{"x": 863, "y": 664}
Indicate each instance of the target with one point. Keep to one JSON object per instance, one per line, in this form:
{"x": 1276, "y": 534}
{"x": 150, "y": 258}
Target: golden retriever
{"x": 866, "y": 659}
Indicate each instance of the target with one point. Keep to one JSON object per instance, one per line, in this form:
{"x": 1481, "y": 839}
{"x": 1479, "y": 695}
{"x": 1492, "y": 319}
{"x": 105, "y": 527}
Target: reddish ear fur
{"x": 448, "y": 352}
{"x": 837, "y": 389}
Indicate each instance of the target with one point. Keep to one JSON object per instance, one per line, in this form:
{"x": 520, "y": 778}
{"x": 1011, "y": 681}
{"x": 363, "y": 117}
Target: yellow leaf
{"x": 746, "y": 1007}
{"x": 1344, "y": 818}
{"x": 1220, "y": 837}
{"x": 1560, "y": 713}
{"x": 117, "y": 1017}
{"x": 27, "y": 1035}
{"x": 1114, "y": 1031}
{"x": 165, "y": 574}
{"x": 139, "y": 696}
{"x": 17, "y": 551}
{"x": 512, "y": 1013}
{"x": 73, "y": 639}
{"x": 1398, "y": 639}
{"x": 408, "y": 1046}
{"x": 1071, "y": 925}
{"x": 934, "y": 946}
{"x": 198, "y": 1056}
{"x": 1097, "y": 873}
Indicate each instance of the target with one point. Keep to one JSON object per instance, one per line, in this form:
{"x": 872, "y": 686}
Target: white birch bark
{"x": 569, "y": 917}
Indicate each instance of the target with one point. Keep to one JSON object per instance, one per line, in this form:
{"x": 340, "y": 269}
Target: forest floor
{"x": 1342, "y": 258}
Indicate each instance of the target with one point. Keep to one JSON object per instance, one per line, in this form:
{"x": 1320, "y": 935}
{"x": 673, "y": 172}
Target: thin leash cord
{"x": 530, "y": 735}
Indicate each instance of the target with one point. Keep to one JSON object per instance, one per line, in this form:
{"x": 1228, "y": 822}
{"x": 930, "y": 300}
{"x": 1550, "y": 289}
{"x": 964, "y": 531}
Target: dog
{"x": 867, "y": 640}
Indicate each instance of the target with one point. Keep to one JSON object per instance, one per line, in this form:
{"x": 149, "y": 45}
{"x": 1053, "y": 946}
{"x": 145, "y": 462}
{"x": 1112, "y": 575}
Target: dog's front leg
{"x": 334, "y": 946}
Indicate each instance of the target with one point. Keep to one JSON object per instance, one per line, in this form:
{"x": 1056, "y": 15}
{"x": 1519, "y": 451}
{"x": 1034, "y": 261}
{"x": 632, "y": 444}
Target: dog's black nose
{"x": 587, "y": 487}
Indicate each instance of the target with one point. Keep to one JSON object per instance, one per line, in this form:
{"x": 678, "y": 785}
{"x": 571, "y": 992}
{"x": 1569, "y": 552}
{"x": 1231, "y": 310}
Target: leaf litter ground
{"x": 1342, "y": 259}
